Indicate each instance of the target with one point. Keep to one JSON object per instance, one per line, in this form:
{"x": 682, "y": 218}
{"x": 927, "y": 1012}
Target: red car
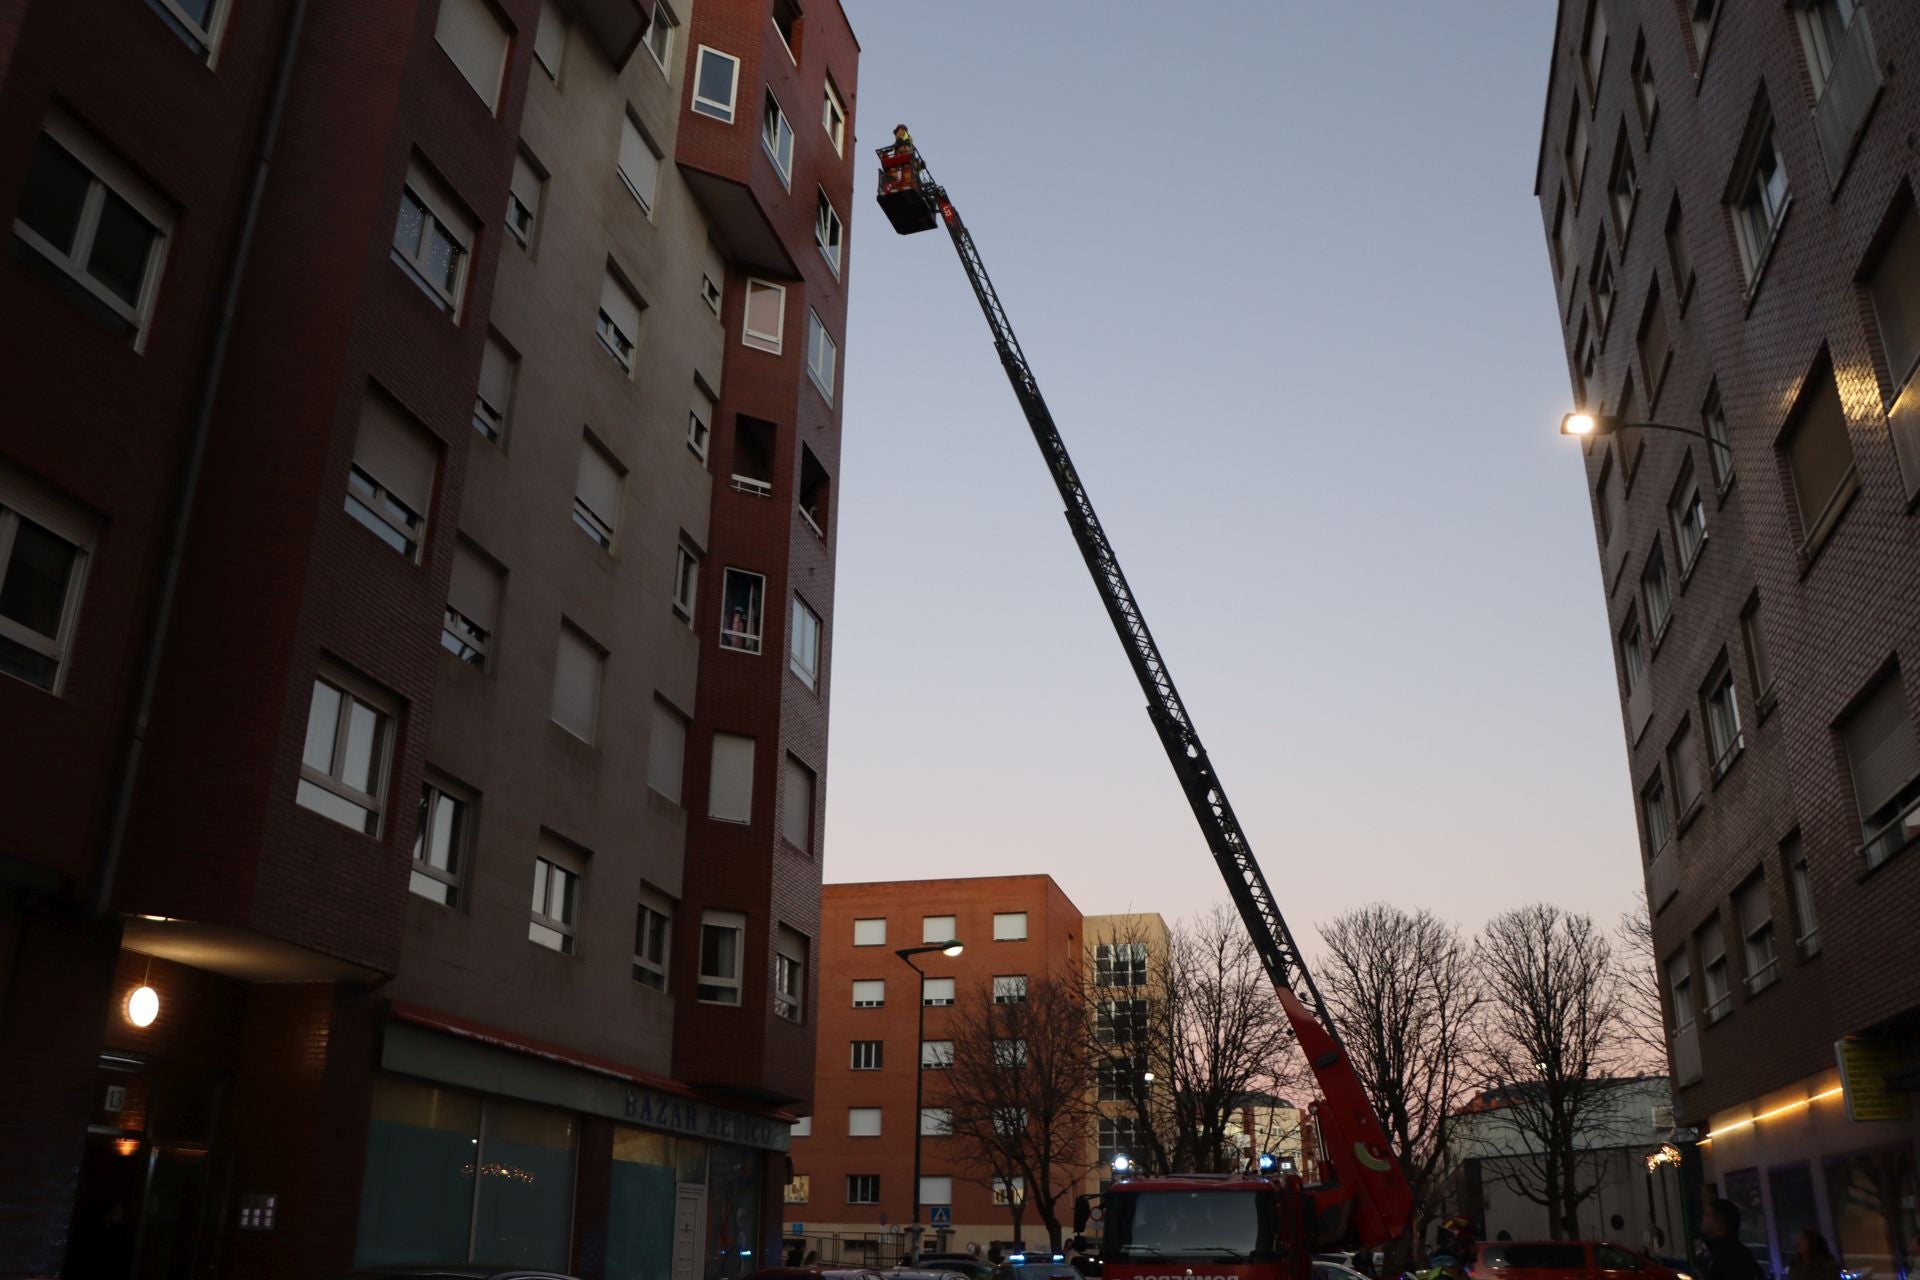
{"x": 1566, "y": 1260}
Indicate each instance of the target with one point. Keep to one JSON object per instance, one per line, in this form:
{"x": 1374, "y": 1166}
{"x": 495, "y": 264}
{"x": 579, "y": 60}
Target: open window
{"x": 753, "y": 456}
{"x": 814, "y": 486}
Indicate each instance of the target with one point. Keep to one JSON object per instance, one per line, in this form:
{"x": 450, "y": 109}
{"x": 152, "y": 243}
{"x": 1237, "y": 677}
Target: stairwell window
{"x": 1689, "y": 518}
{"x": 556, "y": 897}
{"x": 344, "y": 762}
{"x": 716, "y": 81}
{"x": 823, "y": 355}
{"x": 741, "y": 597}
{"x": 197, "y": 22}
{"x": 433, "y": 240}
{"x": 1759, "y": 195}
{"x": 390, "y": 481}
{"x": 639, "y": 165}
{"x": 439, "y": 844}
{"x": 1755, "y": 913}
{"x": 1723, "y": 720}
{"x": 1656, "y": 601}
{"x": 723, "y": 937}
{"x": 652, "y": 939}
{"x": 1883, "y": 756}
{"x": 473, "y": 606}
{"x": 789, "y": 974}
{"x": 776, "y": 135}
{"x": 618, "y": 324}
{"x": 523, "y": 197}
{"x": 828, "y": 230}
{"x": 766, "y": 316}
{"x": 44, "y": 548}
{"x": 492, "y": 400}
{"x": 93, "y": 221}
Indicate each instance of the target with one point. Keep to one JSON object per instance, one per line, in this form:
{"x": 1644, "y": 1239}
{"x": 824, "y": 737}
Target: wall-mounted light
{"x": 143, "y": 1005}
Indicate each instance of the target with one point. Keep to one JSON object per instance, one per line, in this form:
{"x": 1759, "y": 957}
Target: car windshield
{"x": 1193, "y": 1224}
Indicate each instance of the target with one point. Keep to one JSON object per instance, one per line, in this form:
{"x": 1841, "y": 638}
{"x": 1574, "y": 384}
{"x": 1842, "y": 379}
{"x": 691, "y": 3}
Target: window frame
{"x": 556, "y": 858}
{"x": 700, "y": 429}
{"x": 207, "y": 38}
{"x": 22, "y": 499}
{"x": 802, "y": 622}
{"x": 835, "y": 106}
{"x": 1653, "y": 801}
{"x": 926, "y": 929}
{"x": 422, "y": 866}
{"x": 1720, "y": 705}
{"x": 352, "y": 691}
{"x": 854, "y": 990}
{"x": 525, "y": 233}
{"x": 1006, "y": 992}
{"x": 1010, "y": 916}
{"x": 789, "y": 975}
{"x": 863, "y": 1188}
{"x": 1759, "y": 949}
{"x": 686, "y": 580}
{"x": 931, "y": 1058}
{"x": 771, "y": 343}
{"x": 629, "y": 120}
{"x": 819, "y": 340}
{"x": 713, "y": 108}
{"x": 950, "y": 985}
{"x": 881, "y": 941}
{"x": 1657, "y": 625}
{"x": 775, "y": 128}
{"x": 829, "y": 231}
{"x": 653, "y": 907}
{"x": 706, "y": 983}
{"x": 489, "y": 419}
{"x": 662, "y": 57}
{"x": 1751, "y": 197}
{"x": 626, "y": 352}
{"x": 602, "y": 528}
{"x": 438, "y": 210}
{"x": 1687, "y": 518}
{"x": 753, "y": 640}
{"x": 866, "y": 1055}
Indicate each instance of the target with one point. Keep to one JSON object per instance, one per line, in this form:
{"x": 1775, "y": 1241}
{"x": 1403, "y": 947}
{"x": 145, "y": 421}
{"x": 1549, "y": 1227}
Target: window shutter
{"x": 550, "y": 40}
{"x": 936, "y": 1189}
{"x": 766, "y": 314}
{"x": 1009, "y": 926}
{"x": 666, "y": 751}
{"x": 870, "y": 933}
{"x": 576, "y": 684}
{"x": 863, "y": 1122}
{"x": 791, "y": 943}
{"x": 869, "y": 990}
{"x": 1881, "y": 746}
{"x": 598, "y": 482}
{"x": 937, "y": 989}
{"x": 475, "y": 589}
{"x": 638, "y": 161}
{"x": 526, "y": 183}
{"x": 1750, "y": 904}
{"x": 730, "y": 789}
{"x": 617, "y": 302}
{"x": 936, "y": 928}
{"x": 1818, "y": 449}
{"x": 796, "y": 815}
{"x": 397, "y": 453}
{"x": 477, "y": 43}
{"x": 496, "y": 374}
{"x": 1895, "y": 288}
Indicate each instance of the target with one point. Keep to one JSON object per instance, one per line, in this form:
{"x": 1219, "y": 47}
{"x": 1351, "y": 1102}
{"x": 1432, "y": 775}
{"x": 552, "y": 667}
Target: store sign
{"x": 1865, "y": 1066}
{"x": 702, "y": 1120}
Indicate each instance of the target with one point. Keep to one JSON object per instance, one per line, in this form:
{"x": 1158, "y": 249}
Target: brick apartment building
{"x": 1728, "y": 196}
{"x": 422, "y": 427}
{"x": 853, "y": 1157}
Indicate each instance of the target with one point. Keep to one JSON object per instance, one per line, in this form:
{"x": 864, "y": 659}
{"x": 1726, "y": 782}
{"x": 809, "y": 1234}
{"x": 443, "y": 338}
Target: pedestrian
{"x": 1727, "y": 1258}
{"x": 1812, "y": 1259}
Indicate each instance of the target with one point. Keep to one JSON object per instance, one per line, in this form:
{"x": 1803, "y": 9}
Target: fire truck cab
{"x": 1203, "y": 1227}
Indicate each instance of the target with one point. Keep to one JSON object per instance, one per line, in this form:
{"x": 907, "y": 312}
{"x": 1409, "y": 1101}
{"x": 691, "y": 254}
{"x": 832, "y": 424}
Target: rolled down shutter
{"x": 475, "y": 589}
{"x": 496, "y": 375}
{"x": 638, "y": 162}
{"x": 526, "y": 183}
{"x": 796, "y": 813}
{"x": 1751, "y": 905}
{"x": 598, "y": 482}
{"x": 666, "y": 751}
{"x": 1881, "y": 746}
{"x": 621, "y": 306}
{"x": 730, "y": 790}
{"x": 396, "y": 452}
{"x": 476, "y": 42}
{"x": 1819, "y": 450}
{"x": 576, "y": 684}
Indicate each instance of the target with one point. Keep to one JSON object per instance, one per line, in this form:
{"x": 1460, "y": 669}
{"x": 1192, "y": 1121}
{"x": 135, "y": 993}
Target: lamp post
{"x": 951, "y": 947}
{"x": 1589, "y": 426}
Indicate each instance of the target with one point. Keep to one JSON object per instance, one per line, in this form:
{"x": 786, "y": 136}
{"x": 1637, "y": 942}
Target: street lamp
{"x": 951, "y": 947}
{"x": 1589, "y": 426}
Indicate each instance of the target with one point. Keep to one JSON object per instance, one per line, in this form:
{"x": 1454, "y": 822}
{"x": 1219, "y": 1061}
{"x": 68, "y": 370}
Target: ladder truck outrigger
{"x": 1255, "y": 1225}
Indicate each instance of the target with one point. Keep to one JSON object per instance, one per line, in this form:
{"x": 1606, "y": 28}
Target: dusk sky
{"x": 1280, "y": 271}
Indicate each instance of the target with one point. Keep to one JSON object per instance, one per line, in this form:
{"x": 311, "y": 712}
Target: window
{"x": 343, "y": 766}
{"x": 869, "y": 993}
{"x": 1654, "y": 350}
{"x": 716, "y": 77}
{"x": 936, "y": 992}
{"x": 863, "y": 1122}
{"x": 1680, "y": 985}
{"x": 1757, "y": 669}
{"x": 789, "y": 974}
{"x": 1713, "y": 970}
{"x": 741, "y": 595}
{"x": 1009, "y": 1052}
{"x": 1589, "y": 363}
{"x": 1654, "y": 597}
{"x": 494, "y": 397}
{"x": 937, "y": 929}
{"x": 822, "y": 355}
{"x": 1606, "y": 503}
{"x": 1756, "y": 931}
{"x": 1119, "y": 1078}
{"x": 652, "y": 939}
{"x": 432, "y": 239}
{"x": 1679, "y": 261}
{"x": 1653, "y": 814}
{"x": 1594, "y": 46}
{"x": 1120, "y": 964}
{"x": 1576, "y": 147}
{"x": 1116, "y": 1136}
{"x": 619, "y": 320}
{"x": 391, "y": 479}
{"x": 659, "y": 37}
{"x": 1883, "y": 756}
{"x": 550, "y": 39}
{"x": 1645, "y": 96}
{"x": 1713, "y": 420}
{"x": 1120, "y": 1021}
{"x": 439, "y": 844}
{"x": 1010, "y": 1190}
{"x": 815, "y": 484}
{"x": 867, "y": 1054}
{"x": 93, "y": 220}
{"x": 639, "y": 166}
{"x": 936, "y": 1189}
{"x": 936, "y": 1122}
{"x": 730, "y": 789}
{"x": 666, "y": 750}
{"x": 1010, "y": 989}
{"x": 800, "y": 1186}
{"x": 1683, "y": 761}
{"x": 753, "y": 446}
{"x": 44, "y": 547}
{"x": 1563, "y": 256}
{"x": 1823, "y": 32}
{"x": 833, "y": 117}
{"x": 936, "y": 1055}
{"x": 803, "y": 1127}
{"x": 1700, "y": 16}
{"x": 1623, "y": 185}
{"x": 1601, "y": 282}
{"x": 700, "y": 425}
{"x": 870, "y": 932}
{"x": 1805, "y": 919}
{"x": 1759, "y": 196}
{"x": 1009, "y": 926}
{"x": 1689, "y": 519}
{"x": 713, "y": 280}
{"x": 776, "y": 136}
{"x": 596, "y": 493}
{"x": 803, "y": 638}
{"x": 473, "y": 604}
{"x": 1820, "y": 457}
{"x": 556, "y": 897}
{"x": 523, "y": 197}
{"x": 578, "y": 667}
{"x": 1633, "y": 654}
{"x": 469, "y": 33}
{"x": 863, "y": 1188}
{"x": 686, "y": 579}
{"x": 786, "y": 20}
{"x": 765, "y": 316}
{"x": 827, "y": 230}
{"x": 198, "y": 22}
{"x": 1894, "y": 288}
{"x": 796, "y": 810}
{"x": 723, "y": 937}
{"x": 1723, "y": 721}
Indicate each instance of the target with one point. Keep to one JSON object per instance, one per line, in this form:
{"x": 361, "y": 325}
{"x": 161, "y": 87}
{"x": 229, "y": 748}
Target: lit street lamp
{"x": 951, "y": 947}
{"x": 1590, "y": 426}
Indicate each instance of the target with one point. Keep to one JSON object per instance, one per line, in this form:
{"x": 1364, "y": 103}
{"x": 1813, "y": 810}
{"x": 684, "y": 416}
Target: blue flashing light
{"x": 1266, "y": 1162}
{"x": 1059, "y": 1257}
{"x": 1016, "y": 1259}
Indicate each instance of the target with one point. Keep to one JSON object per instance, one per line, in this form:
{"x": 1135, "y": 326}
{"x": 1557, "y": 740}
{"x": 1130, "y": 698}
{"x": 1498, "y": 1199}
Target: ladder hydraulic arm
{"x": 1376, "y": 1195}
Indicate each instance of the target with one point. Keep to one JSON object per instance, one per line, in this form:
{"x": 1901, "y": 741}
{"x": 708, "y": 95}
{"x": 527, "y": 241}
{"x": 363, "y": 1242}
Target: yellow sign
{"x": 1864, "y": 1068}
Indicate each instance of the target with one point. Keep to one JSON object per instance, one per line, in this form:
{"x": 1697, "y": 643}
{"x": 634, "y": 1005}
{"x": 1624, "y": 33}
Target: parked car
{"x": 451, "y": 1271}
{"x": 817, "y": 1273}
{"x": 1566, "y": 1260}
{"x": 1035, "y": 1266}
{"x": 969, "y": 1265}
{"x": 1323, "y": 1270}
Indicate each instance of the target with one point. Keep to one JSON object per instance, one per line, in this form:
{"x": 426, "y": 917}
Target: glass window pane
{"x": 441, "y": 255}
{"x": 716, "y": 78}
{"x": 339, "y": 808}
{"x": 640, "y": 1225}
{"x": 34, "y": 590}
{"x": 448, "y": 815}
{"x": 27, "y": 664}
{"x": 416, "y": 1200}
{"x": 413, "y": 221}
{"x": 56, "y": 188}
{"x": 120, "y": 248}
{"x": 323, "y": 720}
{"x": 362, "y": 760}
{"x": 523, "y": 1214}
{"x": 540, "y": 867}
{"x": 733, "y": 1211}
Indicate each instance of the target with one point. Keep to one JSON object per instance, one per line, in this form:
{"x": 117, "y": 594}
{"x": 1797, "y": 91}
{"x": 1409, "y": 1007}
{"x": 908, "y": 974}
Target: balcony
{"x": 1686, "y": 1054}
{"x": 615, "y": 25}
{"x": 1853, "y": 86}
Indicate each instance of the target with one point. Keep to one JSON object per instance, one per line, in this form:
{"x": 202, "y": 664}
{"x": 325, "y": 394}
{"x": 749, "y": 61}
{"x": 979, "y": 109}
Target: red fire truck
{"x": 1189, "y": 1226}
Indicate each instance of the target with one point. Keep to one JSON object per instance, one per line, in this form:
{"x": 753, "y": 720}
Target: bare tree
{"x": 1547, "y": 1046}
{"x": 1643, "y": 1032}
{"x": 1403, "y": 990}
{"x": 1021, "y": 1094}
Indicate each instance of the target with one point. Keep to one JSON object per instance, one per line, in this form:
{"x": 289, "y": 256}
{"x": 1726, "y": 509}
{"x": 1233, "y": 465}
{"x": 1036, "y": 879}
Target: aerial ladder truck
{"x": 1259, "y": 1225}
